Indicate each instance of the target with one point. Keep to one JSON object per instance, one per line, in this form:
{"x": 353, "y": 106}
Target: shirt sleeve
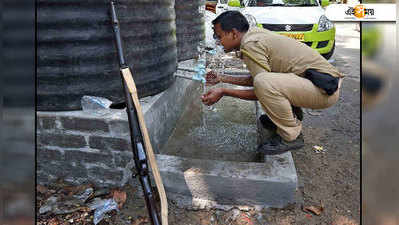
{"x": 259, "y": 56}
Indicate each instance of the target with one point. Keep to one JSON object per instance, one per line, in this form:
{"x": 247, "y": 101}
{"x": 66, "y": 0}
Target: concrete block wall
{"x": 81, "y": 147}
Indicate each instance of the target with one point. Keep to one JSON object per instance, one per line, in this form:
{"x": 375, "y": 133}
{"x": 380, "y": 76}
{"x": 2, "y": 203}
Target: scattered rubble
{"x": 82, "y": 204}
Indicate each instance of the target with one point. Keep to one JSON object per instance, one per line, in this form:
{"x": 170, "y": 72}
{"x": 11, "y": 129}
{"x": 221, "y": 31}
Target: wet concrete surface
{"x": 226, "y": 132}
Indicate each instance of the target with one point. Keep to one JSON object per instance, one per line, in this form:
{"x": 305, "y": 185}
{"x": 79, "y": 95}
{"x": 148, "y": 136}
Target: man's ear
{"x": 236, "y": 33}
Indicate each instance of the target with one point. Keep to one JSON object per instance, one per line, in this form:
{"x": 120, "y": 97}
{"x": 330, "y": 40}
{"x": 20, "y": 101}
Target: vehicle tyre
{"x": 329, "y": 54}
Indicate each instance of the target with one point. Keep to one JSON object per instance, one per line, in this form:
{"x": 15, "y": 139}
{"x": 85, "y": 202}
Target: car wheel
{"x": 329, "y": 54}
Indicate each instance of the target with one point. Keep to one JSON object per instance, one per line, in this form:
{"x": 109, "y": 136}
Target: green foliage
{"x": 371, "y": 39}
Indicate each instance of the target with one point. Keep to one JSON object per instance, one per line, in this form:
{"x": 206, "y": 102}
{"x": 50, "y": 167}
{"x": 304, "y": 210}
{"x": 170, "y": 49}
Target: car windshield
{"x": 264, "y": 3}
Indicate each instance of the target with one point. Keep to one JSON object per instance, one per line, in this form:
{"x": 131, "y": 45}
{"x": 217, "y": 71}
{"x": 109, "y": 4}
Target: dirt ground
{"x": 328, "y": 181}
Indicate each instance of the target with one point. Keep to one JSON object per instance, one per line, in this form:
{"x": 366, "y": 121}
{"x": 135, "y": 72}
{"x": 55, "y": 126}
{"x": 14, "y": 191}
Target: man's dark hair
{"x": 232, "y": 19}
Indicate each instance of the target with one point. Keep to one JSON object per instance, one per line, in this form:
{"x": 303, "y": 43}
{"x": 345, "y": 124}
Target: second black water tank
{"x": 190, "y": 28}
{"x": 76, "y": 54}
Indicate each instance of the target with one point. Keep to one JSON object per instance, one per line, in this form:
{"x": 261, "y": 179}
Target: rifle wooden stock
{"x": 127, "y": 76}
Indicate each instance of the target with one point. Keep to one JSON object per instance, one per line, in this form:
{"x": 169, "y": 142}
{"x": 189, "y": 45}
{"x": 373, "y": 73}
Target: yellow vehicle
{"x": 303, "y": 20}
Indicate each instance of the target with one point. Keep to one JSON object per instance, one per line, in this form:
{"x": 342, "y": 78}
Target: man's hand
{"x": 212, "y": 96}
{"x": 212, "y": 78}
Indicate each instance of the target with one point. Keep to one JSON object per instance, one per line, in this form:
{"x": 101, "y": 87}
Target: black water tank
{"x": 190, "y": 28}
{"x": 77, "y": 55}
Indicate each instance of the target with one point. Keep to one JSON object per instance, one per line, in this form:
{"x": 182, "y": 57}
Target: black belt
{"x": 323, "y": 80}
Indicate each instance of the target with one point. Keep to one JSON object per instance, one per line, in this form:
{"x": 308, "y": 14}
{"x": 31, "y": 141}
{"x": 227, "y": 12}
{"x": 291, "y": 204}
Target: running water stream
{"x": 225, "y": 131}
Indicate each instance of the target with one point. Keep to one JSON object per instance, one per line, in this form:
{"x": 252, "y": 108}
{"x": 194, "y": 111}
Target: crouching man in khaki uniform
{"x": 285, "y": 73}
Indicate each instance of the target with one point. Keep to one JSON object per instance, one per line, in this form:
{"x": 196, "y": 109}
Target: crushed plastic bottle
{"x": 84, "y": 195}
{"x": 94, "y": 103}
{"x": 104, "y": 207}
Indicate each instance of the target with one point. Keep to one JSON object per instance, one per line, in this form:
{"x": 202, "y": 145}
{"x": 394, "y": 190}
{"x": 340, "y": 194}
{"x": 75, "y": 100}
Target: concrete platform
{"x": 204, "y": 184}
{"x": 83, "y": 147}
{"x": 200, "y": 184}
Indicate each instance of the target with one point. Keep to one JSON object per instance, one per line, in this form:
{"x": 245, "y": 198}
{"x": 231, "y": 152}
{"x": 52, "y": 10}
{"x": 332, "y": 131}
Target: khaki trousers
{"x": 278, "y": 91}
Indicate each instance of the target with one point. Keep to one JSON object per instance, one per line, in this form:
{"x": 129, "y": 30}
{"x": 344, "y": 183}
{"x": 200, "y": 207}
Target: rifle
{"x": 140, "y": 140}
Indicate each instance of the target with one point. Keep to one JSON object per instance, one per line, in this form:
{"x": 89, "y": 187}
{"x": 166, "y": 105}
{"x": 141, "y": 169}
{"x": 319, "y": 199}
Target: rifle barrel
{"x": 115, "y": 25}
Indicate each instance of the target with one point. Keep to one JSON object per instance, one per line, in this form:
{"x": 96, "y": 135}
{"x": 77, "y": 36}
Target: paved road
{"x": 347, "y": 52}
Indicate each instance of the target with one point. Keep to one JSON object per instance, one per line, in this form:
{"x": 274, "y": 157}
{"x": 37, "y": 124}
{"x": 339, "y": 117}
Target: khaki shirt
{"x": 282, "y": 54}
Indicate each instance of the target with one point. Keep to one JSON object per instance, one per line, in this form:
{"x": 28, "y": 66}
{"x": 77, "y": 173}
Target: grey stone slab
{"x": 119, "y": 127}
{"x": 62, "y": 140}
{"x": 89, "y": 157}
{"x": 59, "y": 169}
{"x": 84, "y": 124}
{"x": 48, "y": 154}
{"x": 43, "y": 178}
{"x": 47, "y": 122}
{"x": 231, "y": 183}
{"x": 123, "y": 158}
{"x": 97, "y": 114}
{"x": 100, "y": 176}
{"x": 109, "y": 143}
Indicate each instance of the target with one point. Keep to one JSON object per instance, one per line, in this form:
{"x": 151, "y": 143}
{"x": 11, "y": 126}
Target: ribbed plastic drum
{"x": 190, "y": 29}
{"x": 77, "y": 54}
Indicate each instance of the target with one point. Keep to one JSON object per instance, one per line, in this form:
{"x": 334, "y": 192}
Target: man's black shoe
{"x": 297, "y": 112}
{"x": 277, "y": 145}
{"x": 268, "y": 123}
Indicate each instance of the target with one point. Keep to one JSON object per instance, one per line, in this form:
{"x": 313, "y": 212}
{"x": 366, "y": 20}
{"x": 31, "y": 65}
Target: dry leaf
{"x": 140, "y": 221}
{"x": 313, "y": 209}
{"x": 119, "y": 197}
{"x": 245, "y": 219}
{"x": 41, "y": 189}
{"x": 53, "y": 221}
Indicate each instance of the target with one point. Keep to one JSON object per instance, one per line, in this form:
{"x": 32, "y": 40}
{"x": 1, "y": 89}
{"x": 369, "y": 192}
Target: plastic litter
{"x": 58, "y": 206}
{"x": 94, "y": 103}
{"x": 319, "y": 149}
{"x": 102, "y": 207}
{"x": 48, "y": 205}
{"x": 83, "y": 196}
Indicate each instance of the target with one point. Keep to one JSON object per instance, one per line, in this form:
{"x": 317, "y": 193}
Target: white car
{"x": 303, "y": 20}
